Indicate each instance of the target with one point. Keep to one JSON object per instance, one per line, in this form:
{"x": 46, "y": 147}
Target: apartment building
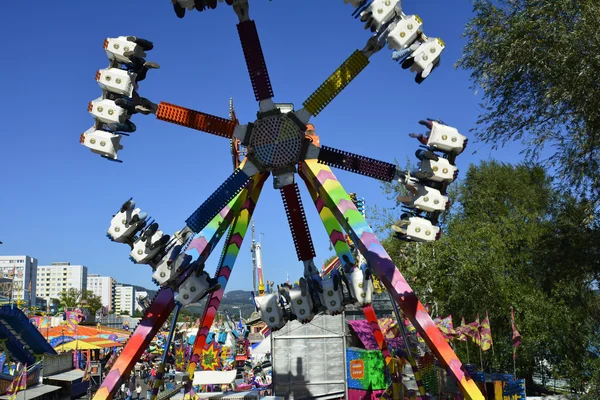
{"x": 53, "y": 279}
{"x": 124, "y": 299}
{"x": 18, "y": 279}
{"x": 105, "y": 287}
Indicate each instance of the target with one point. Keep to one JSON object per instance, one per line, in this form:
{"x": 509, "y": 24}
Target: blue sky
{"x": 57, "y": 197}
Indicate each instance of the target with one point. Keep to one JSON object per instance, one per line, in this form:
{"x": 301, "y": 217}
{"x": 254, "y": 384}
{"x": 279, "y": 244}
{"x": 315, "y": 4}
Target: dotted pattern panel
{"x": 342, "y": 76}
{"x": 297, "y": 220}
{"x": 255, "y": 60}
{"x": 219, "y": 199}
{"x": 276, "y": 141}
{"x": 356, "y": 163}
{"x": 195, "y": 120}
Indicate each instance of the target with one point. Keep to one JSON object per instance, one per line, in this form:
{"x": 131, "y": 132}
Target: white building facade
{"x": 18, "y": 279}
{"x": 53, "y": 279}
{"x": 104, "y": 287}
{"x": 139, "y": 295}
{"x": 124, "y": 299}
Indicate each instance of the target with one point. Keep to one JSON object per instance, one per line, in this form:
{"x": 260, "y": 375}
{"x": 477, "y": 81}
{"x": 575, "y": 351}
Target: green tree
{"x": 536, "y": 63}
{"x": 513, "y": 240}
{"x": 69, "y": 298}
{"x": 91, "y": 301}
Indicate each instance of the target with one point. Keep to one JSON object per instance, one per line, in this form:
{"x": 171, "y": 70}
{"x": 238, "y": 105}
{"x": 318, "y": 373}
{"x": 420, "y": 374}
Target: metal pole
{"x": 254, "y": 260}
{"x": 401, "y": 325}
{"x": 468, "y": 358}
{"x": 161, "y": 368}
{"x": 413, "y": 364}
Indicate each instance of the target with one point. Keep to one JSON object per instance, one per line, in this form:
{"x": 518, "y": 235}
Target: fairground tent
{"x": 262, "y": 348}
{"x": 88, "y": 344}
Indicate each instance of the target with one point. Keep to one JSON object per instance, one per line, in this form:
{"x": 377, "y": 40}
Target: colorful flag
{"x": 516, "y": 336}
{"x": 472, "y": 331}
{"x": 18, "y": 383}
{"x": 76, "y": 356}
{"x": 460, "y": 331}
{"x": 446, "y": 326}
{"x": 486, "y": 333}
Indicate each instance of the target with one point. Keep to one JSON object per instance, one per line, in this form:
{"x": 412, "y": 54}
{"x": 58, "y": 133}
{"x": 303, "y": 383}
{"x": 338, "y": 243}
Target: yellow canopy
{"x": 83, "y": 344}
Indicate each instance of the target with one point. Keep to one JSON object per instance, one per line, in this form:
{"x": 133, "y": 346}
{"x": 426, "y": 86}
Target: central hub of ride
{"x": 276, "y": 142}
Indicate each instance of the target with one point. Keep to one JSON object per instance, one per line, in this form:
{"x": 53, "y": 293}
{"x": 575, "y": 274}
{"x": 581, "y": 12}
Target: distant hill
{"x": 238, "y": 300}
{"x": 234, "y": 301}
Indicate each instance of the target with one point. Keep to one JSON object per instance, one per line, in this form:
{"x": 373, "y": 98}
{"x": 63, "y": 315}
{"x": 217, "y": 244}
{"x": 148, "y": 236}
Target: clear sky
{"x": 57, "y": 198}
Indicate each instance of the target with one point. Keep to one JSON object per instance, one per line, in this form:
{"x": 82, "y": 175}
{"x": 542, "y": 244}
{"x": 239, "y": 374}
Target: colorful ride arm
{"x": 352, "y": 221}
{"x": 356, "y": 163}
{"x": 220, "y": 197}
{"x": 255, "y": 59}
{"x": 154, "y": 318}
{"x": 344, "y": 252}
{"x": 231, "y": 250}
{"x": 195, "y": 120}
{"x": 338, "y": 81}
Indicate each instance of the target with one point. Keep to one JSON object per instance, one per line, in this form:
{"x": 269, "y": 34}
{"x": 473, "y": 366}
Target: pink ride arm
{"x": 342, "y": 249}
{"x": 353, "y": 222}
{"x": 230, "y": 253}
{"x": 154, "y": 318}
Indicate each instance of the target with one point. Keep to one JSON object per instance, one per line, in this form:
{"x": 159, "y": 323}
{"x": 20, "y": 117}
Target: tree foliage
{"x": 72, "y": 298}
{"x": 513, "y": 240}
{"x": 69, "y": 298}
{"x": 91, "y": 301}
{"x": 536, "y": 62}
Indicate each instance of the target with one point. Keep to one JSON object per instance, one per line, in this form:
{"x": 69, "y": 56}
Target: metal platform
{"x": 23, "y": 340}
{"x": 35, "y": 392}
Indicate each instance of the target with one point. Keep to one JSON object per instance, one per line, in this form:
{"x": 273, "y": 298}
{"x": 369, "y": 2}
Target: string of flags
{"x": 479, "y": 332}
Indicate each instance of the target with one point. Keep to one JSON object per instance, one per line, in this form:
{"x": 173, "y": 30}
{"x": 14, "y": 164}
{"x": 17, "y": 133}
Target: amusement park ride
{"x": 280, "y": 142}
{"x": 256, "y": 250}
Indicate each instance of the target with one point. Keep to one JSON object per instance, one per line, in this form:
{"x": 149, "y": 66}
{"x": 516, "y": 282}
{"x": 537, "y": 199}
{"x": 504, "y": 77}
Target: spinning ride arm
{"x": 253, "y": 54}
{"x": 228, "y": 257}
{"x": 220, "y": 197}
{"x": 294, "y": 210}
{"x": 163, "y": 304}
{"x": 343, "y": 251}
{"x": 341, "y": 77}
{"x": 352, "y": 221}
{"x": 358, "y": 164}
{"x": 154, "y": 318}
{"x": 195, "y": 120}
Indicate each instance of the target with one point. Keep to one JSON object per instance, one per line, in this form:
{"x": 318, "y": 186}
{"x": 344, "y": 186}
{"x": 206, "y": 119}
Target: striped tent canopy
{"x": 82, "y": 331}
{"x": 88, "y": 344}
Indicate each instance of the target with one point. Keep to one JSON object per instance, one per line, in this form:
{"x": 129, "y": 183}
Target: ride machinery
{"x": 282, "y": 143}
{"x": 257, "y": 265}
